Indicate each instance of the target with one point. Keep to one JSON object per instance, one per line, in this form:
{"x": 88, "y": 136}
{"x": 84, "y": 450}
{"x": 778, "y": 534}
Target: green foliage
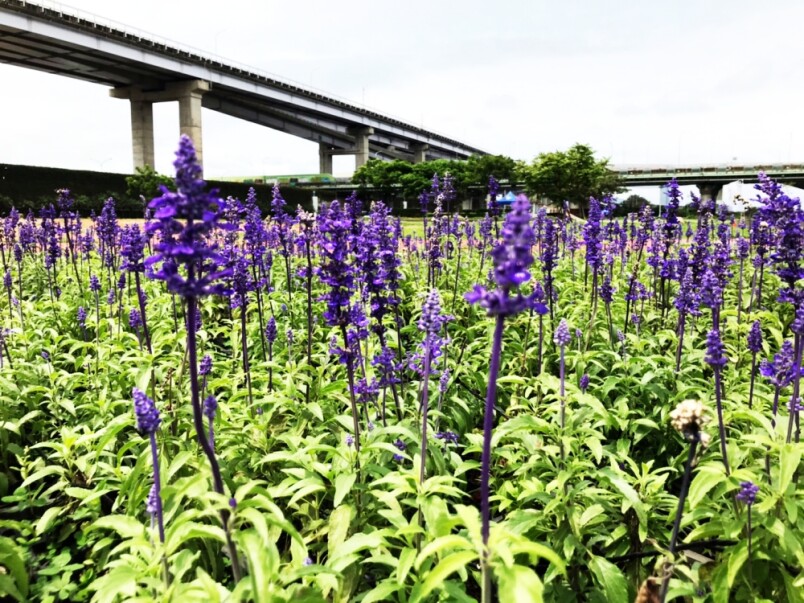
{"x": 573, "y": 175}
{"x": 403, "y": 180}
{"x": 145, "y": 183}
{"x": 74, "y": 472}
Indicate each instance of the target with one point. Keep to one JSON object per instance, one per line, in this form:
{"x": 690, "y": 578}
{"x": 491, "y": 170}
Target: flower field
{"x": 220, "y": 405}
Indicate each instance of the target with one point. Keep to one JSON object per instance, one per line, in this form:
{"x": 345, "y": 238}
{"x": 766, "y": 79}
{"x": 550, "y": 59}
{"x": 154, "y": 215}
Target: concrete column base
{"x": 324, "y": 159}
{"x": 142, "y": 133}
{"x": 188, "y": 93}
{"x": 362, "y": 152}
{"x": 419, "y": 152}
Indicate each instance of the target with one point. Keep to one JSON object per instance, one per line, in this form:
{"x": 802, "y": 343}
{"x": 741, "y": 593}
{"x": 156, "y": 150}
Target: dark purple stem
{"x": 721, "y": 425}
{"x": 198, "y": 422}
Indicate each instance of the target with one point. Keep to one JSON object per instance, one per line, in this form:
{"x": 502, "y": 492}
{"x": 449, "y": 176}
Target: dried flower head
{"x": 689, "y": 418}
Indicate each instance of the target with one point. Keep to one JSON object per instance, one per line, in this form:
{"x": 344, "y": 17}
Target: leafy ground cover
{"x": 228, "y": 406}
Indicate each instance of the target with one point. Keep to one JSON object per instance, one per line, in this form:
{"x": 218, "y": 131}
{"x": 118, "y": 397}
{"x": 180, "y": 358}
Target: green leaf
{"x": 788, "y": 463}
{"x": 631, "y": 497}
{"x": 339, "y": 522}
{"x": 119, "y": 583}
{"x": 343, "y": 484}
{"x": 518, "y": 584}
{"x": 382, "y": 591}
{"x": 446, "y": 567}
{"x": 706, "y": 478}
{"x": 611, "y": 578}
{"x": 47, "y": 518}
{"x": 15, "y": 584}
{"x": 406, "y": 559}
{"x": 453, "y": 541}
{"x": 126, "y": 526}
{"x": 737, "y": 558}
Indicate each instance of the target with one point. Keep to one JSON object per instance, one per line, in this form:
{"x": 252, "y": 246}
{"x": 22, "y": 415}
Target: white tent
{"x": 740, "y": 195}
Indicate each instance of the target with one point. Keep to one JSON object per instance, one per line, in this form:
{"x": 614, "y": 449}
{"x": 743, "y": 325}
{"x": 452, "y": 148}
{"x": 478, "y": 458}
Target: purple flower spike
{"x": 210, "y": 406}
{"x": 748, "y": 493}
{"x": 584, "y": 382}
{"x": 151, "y": 505}
{"x": 562, "y": 335}
{"x": 185, "y": 219}
{"x": 512, "y": 261}
{"x": 755, "y": 337}
{"x": 270, "y": 330}
{"x": 205, "y": 366}
{"x": 145, "y": 410}
{"x": 715, "y": 351}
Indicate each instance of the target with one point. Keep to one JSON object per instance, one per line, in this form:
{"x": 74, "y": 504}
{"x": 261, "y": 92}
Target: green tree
{"x": 480, "y": 167}
{"x": 145, "y": 183}
{"x": 573, "y": 175}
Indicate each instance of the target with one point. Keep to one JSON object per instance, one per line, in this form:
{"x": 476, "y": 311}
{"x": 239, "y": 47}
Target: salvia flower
{"x": 780, "y": 370}
{"x": 147, "y": 415}
{"x": 562, "y": 335}
{"x": 134, "y": 319}
{"x": 512, "y": 261}
{"x": 270, "y": 330}
{"x": 449, "y": 437}
{"x": 151, "y": 506}
{"x": 755, "y": 337}
{"x": 748, "y": 493}
{"x": 715, "y": 351}
{"x": 186, "y": 244}
{"x": 210, "y": 407}
{"x": 205, "y": 366}
{"x": 584, "y": 382}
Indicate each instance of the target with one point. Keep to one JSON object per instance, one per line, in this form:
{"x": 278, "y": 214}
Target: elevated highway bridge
{"x": 144, "y": 70}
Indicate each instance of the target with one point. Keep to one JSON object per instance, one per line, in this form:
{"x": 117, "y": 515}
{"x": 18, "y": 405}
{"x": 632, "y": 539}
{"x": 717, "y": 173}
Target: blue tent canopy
{"x": 507, "y": 199}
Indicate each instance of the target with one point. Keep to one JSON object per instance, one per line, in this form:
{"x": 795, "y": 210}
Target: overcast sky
{"x": 683, "y": 82}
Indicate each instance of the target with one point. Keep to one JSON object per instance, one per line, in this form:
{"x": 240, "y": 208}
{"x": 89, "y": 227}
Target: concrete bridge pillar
{"x": 419, "y": 152}
{"x": 324, "y": 159}
{"x": 188, "y": 93}
{"x": 189, "y": 97}
{"x": 709, "y": 191}
{"x": 142, "y": 133}
{"x": 361, "y": 135}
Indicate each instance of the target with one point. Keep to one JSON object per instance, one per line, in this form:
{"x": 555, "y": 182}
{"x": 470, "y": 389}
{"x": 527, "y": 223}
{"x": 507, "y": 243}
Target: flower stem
{"x": 721, "y": 425}
{"x": 485, "y": 470}
{"x": 198, "y": 421}
{"x": 682, "y": 497}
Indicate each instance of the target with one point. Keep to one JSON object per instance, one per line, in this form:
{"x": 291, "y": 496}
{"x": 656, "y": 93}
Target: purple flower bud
{"x": 94, "y": 284}
{"x": 562, "y": 335}
{"x": 748, "y": 493}
{"x": 146, "y": 413}
{"x": 134, "y": 319}
{"x": 755, "y": 337}
{"x": 584, "y": 382}
{"x": 449, "y": 437}
{"x": 715, "y": 351}
{"x": 350, "y": 440}
{"x": 150, "y": 502}
{"x": 210, "y": 406}
{"x": 205, "y": 366}
{"x": 82, "y": 317}
{"x": 270, "y": 330}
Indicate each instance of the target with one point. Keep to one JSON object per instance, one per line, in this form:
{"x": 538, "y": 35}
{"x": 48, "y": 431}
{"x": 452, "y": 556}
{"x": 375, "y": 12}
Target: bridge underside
{"x": 145, "y": 71}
